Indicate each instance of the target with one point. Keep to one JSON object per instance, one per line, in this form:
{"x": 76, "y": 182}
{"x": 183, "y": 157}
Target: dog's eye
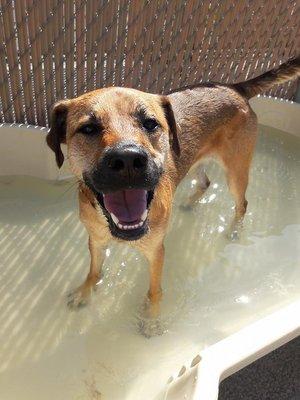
{"x": 89, "y": 129}
{"x": 150, "y": 124}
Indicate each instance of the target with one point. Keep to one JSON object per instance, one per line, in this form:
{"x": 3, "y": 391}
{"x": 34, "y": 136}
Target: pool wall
{"x": 23, "y": 150}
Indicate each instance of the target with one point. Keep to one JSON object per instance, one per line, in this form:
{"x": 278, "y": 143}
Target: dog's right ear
{"x": 168, "y": 111}
{"x": 57, "y": 133}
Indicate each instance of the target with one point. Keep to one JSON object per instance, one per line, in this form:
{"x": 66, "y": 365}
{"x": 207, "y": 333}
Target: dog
{"x": 129, "y": 151}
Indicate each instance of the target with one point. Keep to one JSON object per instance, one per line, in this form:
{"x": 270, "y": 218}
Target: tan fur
{"x": 260, "y": 84}
{"x": 211, "y": 120}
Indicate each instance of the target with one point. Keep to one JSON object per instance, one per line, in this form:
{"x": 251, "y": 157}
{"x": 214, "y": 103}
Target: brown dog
{"x": 130, "y": 150}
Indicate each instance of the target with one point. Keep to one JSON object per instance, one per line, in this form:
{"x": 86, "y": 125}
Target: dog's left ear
{"x": 174, "y": 142}
{"x": 57, "y": 133}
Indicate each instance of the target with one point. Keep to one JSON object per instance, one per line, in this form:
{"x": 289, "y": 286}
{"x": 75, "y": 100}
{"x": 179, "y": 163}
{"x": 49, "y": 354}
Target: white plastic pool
{"x": 214, "y": 287}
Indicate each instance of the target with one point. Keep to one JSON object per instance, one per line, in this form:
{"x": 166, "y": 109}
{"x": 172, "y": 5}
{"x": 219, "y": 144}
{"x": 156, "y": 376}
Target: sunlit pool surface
{"x": 212, "y": 286}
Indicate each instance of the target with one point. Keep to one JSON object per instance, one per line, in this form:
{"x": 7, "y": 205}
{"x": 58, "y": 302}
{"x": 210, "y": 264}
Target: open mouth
{"x": 127, "y": 212}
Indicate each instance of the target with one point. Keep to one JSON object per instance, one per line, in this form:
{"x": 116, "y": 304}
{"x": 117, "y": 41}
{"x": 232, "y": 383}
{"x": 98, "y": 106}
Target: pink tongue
{"x": 127, "y": 205}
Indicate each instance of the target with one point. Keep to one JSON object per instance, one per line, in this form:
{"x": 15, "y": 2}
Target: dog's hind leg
{"x": 81, "y": 296}
{"x": 237, "y": 173}
{"x": 236, "y": 158}
{"x": 238, "y": 183}
{"x": 201, "y": 186}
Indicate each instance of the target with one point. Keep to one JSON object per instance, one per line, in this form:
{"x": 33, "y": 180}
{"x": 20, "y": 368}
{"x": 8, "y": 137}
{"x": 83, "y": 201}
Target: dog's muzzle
{"x": 124, "y": 184}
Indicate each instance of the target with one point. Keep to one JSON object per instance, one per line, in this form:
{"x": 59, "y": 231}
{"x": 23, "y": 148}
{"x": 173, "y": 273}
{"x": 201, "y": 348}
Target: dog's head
{"x": 119, "y": 142}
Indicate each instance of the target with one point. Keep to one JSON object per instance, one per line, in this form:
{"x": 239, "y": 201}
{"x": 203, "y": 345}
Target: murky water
{"x": 212, "y": 286}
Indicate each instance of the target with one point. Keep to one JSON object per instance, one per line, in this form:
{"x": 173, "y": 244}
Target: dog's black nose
{"x": 128, "y": 159}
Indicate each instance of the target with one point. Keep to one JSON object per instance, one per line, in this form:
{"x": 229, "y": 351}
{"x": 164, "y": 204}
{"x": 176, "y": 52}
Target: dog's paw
{"x": 234, "y": 232}
{"x": 149, "y": 320}
{"x": 79, "y": 297}
{"x": 150, "y": 327}
{"x": 232, "y": 235}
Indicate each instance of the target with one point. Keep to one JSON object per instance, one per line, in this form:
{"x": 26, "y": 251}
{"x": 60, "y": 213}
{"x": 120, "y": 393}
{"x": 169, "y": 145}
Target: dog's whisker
{"x": 74, "y": 184}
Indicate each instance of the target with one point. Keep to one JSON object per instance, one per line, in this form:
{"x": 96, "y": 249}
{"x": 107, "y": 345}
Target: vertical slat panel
{"x": 92, "y": 25}
{"x": 33, "y": 29}
{"x": 112, "y": 15}
{"x": 159, "y": 29}
{"x": 211, "y": 47}
{"x": 240, "y": 51}
{"x": 183, "y": 43}
{"x": 8, "y": 112}
{"x": 163, "y": 59}
{"x": 58, "y": 48}
{"x": 134, "y": 32}
{"x": 47, "y": 49}
{"x": 228, "y": 24}
{"x": 102, "y": 40}
{"x": 293, "y": 35}
{"x": 136, "y": 36}
{"x": 49, "y": 52}
{"x": 41, "y": 98}
{"x": 254, "y": 51}
{"x": 80, "y": 46}
{"x": 239, "y": 18}
{"x": 69, "y": 48}
{"x": 121, "y": 41}
{"x": 175, "y": 45}
{"x": 148, "y": 47}
{"x": 196, "y": 54}
{"x": 21, "y": 18}
{"x": 188, "y": 26}
{"x": 12, "y": 61}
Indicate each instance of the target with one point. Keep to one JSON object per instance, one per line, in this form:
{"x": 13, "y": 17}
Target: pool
{"x": 214, "y": 286}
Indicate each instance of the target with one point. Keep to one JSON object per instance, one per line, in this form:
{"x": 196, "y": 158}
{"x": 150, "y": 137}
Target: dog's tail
{"x": 258, "y": 85}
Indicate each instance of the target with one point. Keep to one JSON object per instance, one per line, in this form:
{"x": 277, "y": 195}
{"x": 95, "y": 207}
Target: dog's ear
{"x": 174, "y": 142}
{"x": 57, "y": 133}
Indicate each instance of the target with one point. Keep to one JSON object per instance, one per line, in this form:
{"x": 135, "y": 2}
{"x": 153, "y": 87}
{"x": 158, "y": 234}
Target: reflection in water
{"x": 213, "y": 286}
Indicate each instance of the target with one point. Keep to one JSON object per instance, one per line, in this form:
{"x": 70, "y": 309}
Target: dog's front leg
{"x": 156, "y": 261}
{"x": 81, "y": 296}
{"x": 150, "y": 323}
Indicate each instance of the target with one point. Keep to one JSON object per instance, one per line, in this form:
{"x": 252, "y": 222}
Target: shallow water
{"x": 212, "y": 286}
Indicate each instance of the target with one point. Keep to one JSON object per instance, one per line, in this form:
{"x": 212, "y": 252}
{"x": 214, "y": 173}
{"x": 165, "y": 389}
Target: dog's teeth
{"x": 114, "y": 218}
{"x": 126, "y": 227}
{"x": 144, "y": 216}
